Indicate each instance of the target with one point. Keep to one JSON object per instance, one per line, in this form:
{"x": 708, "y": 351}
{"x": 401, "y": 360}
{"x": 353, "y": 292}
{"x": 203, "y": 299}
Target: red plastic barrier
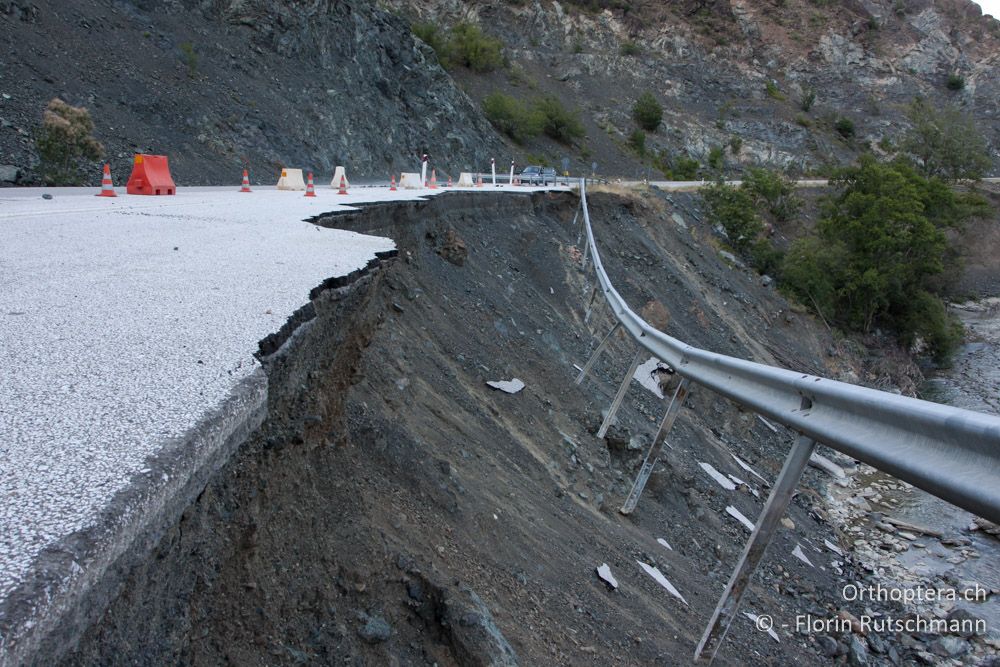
{"x": 150, "y": 176}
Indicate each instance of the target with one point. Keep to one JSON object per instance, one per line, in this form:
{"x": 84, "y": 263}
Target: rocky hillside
{"x": 217, "y": 85}
{"x": 802, "y": 84}
{"x": 736, "y": 75}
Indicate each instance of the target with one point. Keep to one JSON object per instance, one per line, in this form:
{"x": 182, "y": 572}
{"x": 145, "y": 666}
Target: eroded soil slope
{"x": 397, "y": 510}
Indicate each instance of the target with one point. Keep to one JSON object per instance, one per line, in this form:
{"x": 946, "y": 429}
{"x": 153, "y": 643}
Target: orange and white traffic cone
{"x": 392, "y": 184}
{"x": 246, "y": 182}
{"x": 343, "y": 186}
{"x": 434, "y": 181}
{"x": 449, "y": 181}
{"x": 479, "y": 183}
{"x": 310, "y": 189}
{"x": 107, "y": 187}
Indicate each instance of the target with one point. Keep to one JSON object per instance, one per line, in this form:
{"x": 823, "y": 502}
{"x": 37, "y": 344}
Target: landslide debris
{"x": 395, "y": 509}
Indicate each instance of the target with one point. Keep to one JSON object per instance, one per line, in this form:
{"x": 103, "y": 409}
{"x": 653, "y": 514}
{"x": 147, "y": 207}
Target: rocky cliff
{"x": 219, "y": 84}
{"x": 735, "y": 75}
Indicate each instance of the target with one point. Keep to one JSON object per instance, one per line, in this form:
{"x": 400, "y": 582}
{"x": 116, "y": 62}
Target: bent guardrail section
{"x": 949, "y": 452}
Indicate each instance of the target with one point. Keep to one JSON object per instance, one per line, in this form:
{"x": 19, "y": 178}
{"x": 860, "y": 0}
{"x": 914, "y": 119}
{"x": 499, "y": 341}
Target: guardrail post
{"x": 655, "y": 449}
{"x": 590, "y": 303}
{"x": 600, "y": 348}
{"x": 615, "y": 404}
{"x": 775, "y": 508}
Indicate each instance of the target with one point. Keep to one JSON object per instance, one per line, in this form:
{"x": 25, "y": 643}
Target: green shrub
{"x": 684, "y": 168}
{"x": 468, "y": 46}
{"x": 648, "y": 113}
{"x": 637, "y": 140}
{"x": 844, "y": 127}
{"x": 630, "y": 48}
{"x": 877, "y": 252}
{"x": 772, "y": 91}
{"x": 64, "y": 139}
{"x": 464, "y": 45}
{"x": 735, "y": 144}
{"x": 716, "y": 158}
{"x": 430, "y": 35}
{"x": 512, "y": 117}
{"x": 558, "y": 122}
{"x": 803, "y": 121}
{"x": 733, "y": 209}
{"x": 765, "y": 257}
{"x": 945, "y": 143}
{"x": 807, "y": 100}
{"x": 773, "y": 191}
{"x": 189, "y": 57}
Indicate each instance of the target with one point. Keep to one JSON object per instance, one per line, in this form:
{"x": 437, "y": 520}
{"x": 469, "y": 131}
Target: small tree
{"x": 559, "y": 123}
{"x": 844, "y": 127}
{"x": 647, "y": 112}
{"x": 470, "y": 47}
{"x": 774, "y": 191}
{"x": 733, "y": 209}
{"x": 513, "y": 117}
{"x": 808, "y": 99}
{"x": 63, "y": 140}
{"x": 944, "y": 142}
{"x": 190, "y": 58}
{"x": 879, "y": 247}
{"x": 637, "y": 140}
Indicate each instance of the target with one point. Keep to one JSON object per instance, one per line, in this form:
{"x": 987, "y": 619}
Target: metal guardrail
{"x": 949, "y": 452}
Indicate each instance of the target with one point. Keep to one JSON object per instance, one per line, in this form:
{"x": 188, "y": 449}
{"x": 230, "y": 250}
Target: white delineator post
{"x": 493, "y": 169}
{"x": 423, "y": 170}
{"x": 512, "y": 172}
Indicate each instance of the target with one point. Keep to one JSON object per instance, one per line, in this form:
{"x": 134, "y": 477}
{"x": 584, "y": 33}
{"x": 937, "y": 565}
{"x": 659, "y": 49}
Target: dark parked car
{"x": 535, "y": 175}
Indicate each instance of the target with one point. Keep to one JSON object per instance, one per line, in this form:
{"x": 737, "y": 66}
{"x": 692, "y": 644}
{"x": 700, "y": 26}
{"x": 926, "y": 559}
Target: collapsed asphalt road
{"x": 395, "y": 509}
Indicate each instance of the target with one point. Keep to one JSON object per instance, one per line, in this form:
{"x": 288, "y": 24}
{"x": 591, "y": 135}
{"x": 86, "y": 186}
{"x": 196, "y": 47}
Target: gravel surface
{"x": 124, "y": 321}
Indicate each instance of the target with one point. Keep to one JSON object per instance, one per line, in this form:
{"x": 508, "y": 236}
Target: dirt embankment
{"x": 396, "y": 510}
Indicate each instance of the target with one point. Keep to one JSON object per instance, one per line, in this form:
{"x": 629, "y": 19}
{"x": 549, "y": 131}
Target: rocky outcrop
{"x": 734, "y": 68}
{"x": 220, "y": 85}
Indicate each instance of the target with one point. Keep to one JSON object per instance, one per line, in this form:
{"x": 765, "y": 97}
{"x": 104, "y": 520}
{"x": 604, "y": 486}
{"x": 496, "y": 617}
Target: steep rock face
{"x": 218, "y": 84}
{"x": 736, "y": 68}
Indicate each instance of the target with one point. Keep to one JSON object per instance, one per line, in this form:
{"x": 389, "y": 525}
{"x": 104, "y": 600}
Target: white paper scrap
{"x": 739, "y": 482}
{"x": 743, "y": 464}
{"x": 798, "y": 553}
{"x": 736, "y": 514}
{"x": 604, "y": 572}
{"x": 660, "y": 579}
{"x": 663, "y": 542}
{"x": 723, "y": 481}
{"x": 510, "y": 386}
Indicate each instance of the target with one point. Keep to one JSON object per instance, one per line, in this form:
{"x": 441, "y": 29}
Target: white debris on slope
{"x": 660, "y": 579}
{"x": 736, "y": 514}
{"x": 604, "y": 572}
{"x": 723, "y": 481}
{"x": 739, "y": 482}
{"x": 664, "y": 543}
{"x": 826, "y": 465}
{"x": 798, "y": 553}
{"x": 510, "y": 386}
{"x": 646, "y": 376}
{"x": 743, "y": 464}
